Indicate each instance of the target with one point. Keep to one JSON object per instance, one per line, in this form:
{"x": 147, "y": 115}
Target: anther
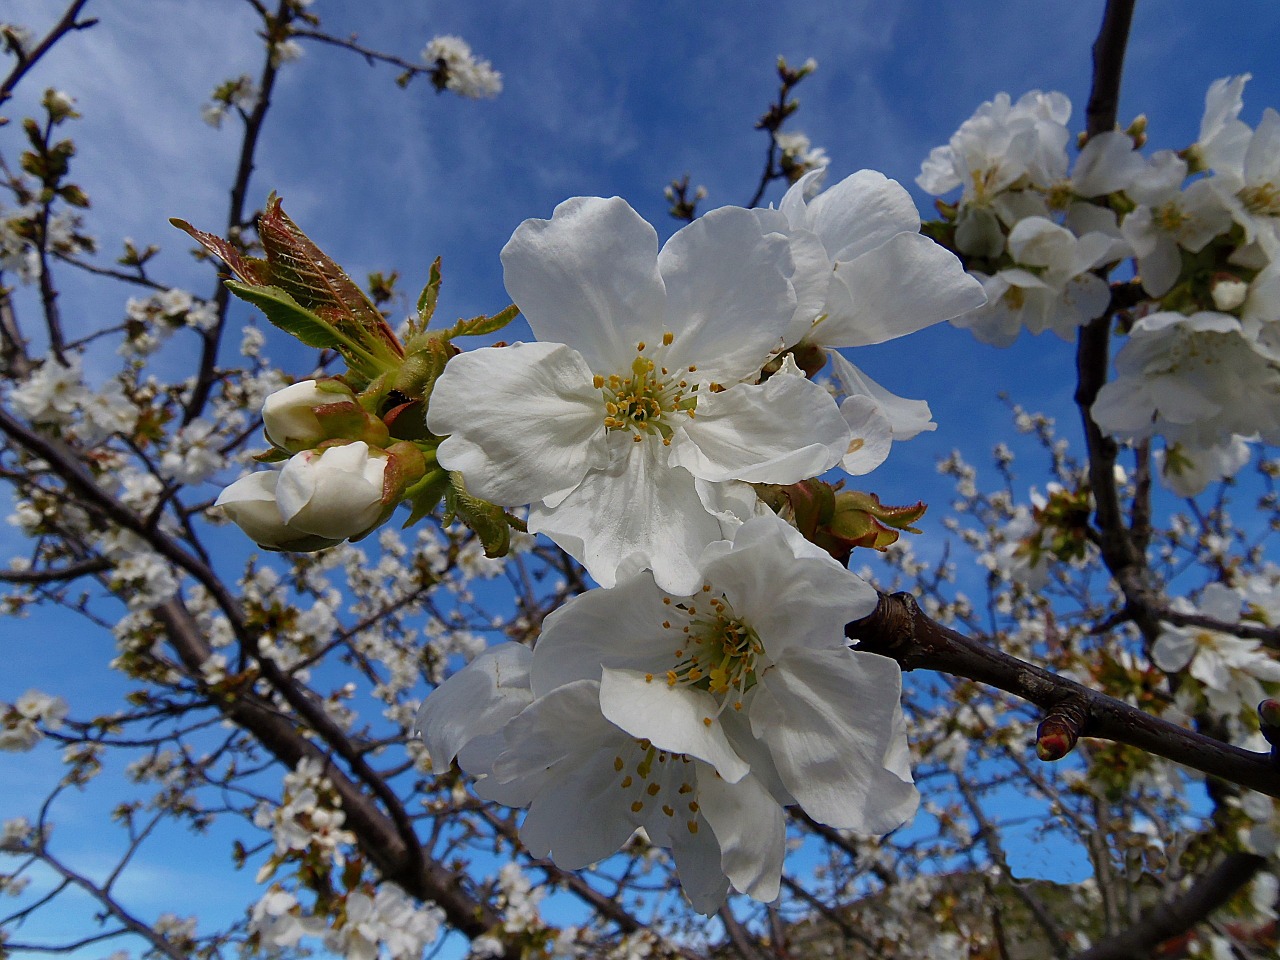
{"x": 706, "y": 721}
{"x": 640, "y": 346}
{"x": 653, "y": 789}
{"x": 617, "y": 764}
{"x": 597, "y": 381}
{"x": 667, "y": 338}
{"x": 637, "y": 806}
{"x": 627, "y": 781}
{"x": 693, "y": 826}
{"x": 668, "y": 810}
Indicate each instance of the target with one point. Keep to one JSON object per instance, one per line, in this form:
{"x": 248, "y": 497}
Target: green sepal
{"x": 420, "y": 370}
{"x": 479, "y": 326}
{"x": 274, "y": 455}
{"x": 430, "y": 294}
{"x": 425, "y": 494}
{"x": 487, "y": 520}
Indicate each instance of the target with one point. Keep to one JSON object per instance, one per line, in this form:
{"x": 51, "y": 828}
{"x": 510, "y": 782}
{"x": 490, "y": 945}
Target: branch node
{"x": 1058, "y": 732}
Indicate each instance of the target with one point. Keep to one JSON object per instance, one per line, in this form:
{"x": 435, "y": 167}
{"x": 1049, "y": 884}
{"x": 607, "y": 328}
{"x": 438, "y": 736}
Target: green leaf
{"x": 249, "y": 269}
{"x": 316, "y": 282}
{"x": 287, "y": 314}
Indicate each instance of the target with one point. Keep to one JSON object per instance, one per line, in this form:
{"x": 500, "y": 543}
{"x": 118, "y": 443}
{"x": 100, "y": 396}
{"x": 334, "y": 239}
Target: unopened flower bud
{"x": 250, "y": 503}
{"x": 334, "y": 493}
{"x": 1229, "y": 292}
{"x": 304, "y": 415}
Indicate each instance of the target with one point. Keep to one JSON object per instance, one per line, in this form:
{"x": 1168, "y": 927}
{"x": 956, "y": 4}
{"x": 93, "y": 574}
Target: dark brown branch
{"x": 378, "y": 836}
{"x": 1180, "y": 913}
{"x": 741, "y": 941}
{"x": 207, "y": 375}
{"x": 65, "y": 25}
{"x": 1108, "y": 66}
{"x": 899, "y": 629}
{"x": 56, "y": 574}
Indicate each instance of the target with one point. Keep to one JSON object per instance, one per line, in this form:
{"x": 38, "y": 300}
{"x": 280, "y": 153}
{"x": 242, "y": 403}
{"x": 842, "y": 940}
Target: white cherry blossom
{"x": 1169, "y": 219}
{"x": 1231, "y": 668}
{"x": 750, "y": 673}
{"x": 865, "y": 275}
{"x": 1049, "y": 287}
{"x": 642, "y": 384}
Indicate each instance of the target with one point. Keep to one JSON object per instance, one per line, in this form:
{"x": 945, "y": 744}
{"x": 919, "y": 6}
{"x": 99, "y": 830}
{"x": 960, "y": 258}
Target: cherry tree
{"x": 603, "y": 643}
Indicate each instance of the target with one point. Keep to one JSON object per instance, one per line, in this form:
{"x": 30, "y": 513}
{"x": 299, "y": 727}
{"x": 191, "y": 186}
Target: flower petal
{"x": 588, "y": 277}
{"x": 728, "y": 297}
{"x": 698, "y": 862}
{"x": 781, "y": 431}
{"x": 872, "y": 436}
{"x": 787, "y": 590}
{"x": 639, "y": 511}
{"x": 829, "y": 717}
{"x": 900, "y": 287}
{"x": 861, "y": 212}
{"x": 674, "y": 718}
{"x": 523, "y": 421}
{"x": 476, "y": 700}
{"x": 907, "y": 418}
{"x": 617, "y": 627}
{"x": 751, "y": 832}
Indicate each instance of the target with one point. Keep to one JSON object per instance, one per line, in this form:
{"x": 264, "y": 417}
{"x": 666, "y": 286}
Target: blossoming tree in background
{"x": 585, "y": 646}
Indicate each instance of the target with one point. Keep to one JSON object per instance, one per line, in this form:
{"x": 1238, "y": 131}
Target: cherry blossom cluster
{"x": 1042, "y": 234}
{"x": 1201, "y": 225}
{"x": 657, "y": 430}
{"x": 460, "y": 70}
{"x": 708, "y": 683}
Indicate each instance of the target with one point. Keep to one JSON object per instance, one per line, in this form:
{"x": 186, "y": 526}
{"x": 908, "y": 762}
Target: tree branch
{"x": 1181, "y": 913}
{"x": 899, "y": 629}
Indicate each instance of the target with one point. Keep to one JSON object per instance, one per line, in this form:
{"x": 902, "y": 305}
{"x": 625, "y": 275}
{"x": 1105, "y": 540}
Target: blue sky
{"x": 601, "y": 98}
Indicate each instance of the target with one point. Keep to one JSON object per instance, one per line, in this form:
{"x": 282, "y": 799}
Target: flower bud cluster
{"x": 342, "y": 478}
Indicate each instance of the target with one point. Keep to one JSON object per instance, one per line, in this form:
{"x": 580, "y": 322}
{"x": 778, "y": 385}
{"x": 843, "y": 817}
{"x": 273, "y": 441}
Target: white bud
{"x": 250, "y": 503}
{"x": 334, "y": 493}
{"x": 1228, "y": 294}
{"x": 289, "y": 415}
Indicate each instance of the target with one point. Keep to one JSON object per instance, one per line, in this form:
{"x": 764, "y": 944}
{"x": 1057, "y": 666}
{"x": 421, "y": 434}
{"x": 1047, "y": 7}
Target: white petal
{"x": 781, "y": 431}
{"x": 674, "y": 718}
{"x": 829, "y": 720}
{"x": 907, "y": 418}
{"x": 728, "y": 297}
{"x": 698, "y": 862}
{"x": 872, "y": 437}
{"x": 1173, "y": 649}
{"x": 523, "y": 422}
{"x": 588, "y": 277}
{"x": 861, "y": 212}
{"x": 902, "y": 286}
{"x": 616, "y": 627}
{"x": 637, "y": 510}
{"x": 476, "y": 700}
{"x": 1107, "y": 163}
{"x": 751, "y": 832}
{"x": 790, "y": 595}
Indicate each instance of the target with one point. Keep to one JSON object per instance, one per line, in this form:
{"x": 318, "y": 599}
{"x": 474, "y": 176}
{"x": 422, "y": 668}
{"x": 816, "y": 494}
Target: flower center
{"x": 1264, "y": 199}
{"x": 1170, "y": 217}
{"x": 669, "y": 787}
{"x": 645, "y": 402}
{"x": 716, "y": 652}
